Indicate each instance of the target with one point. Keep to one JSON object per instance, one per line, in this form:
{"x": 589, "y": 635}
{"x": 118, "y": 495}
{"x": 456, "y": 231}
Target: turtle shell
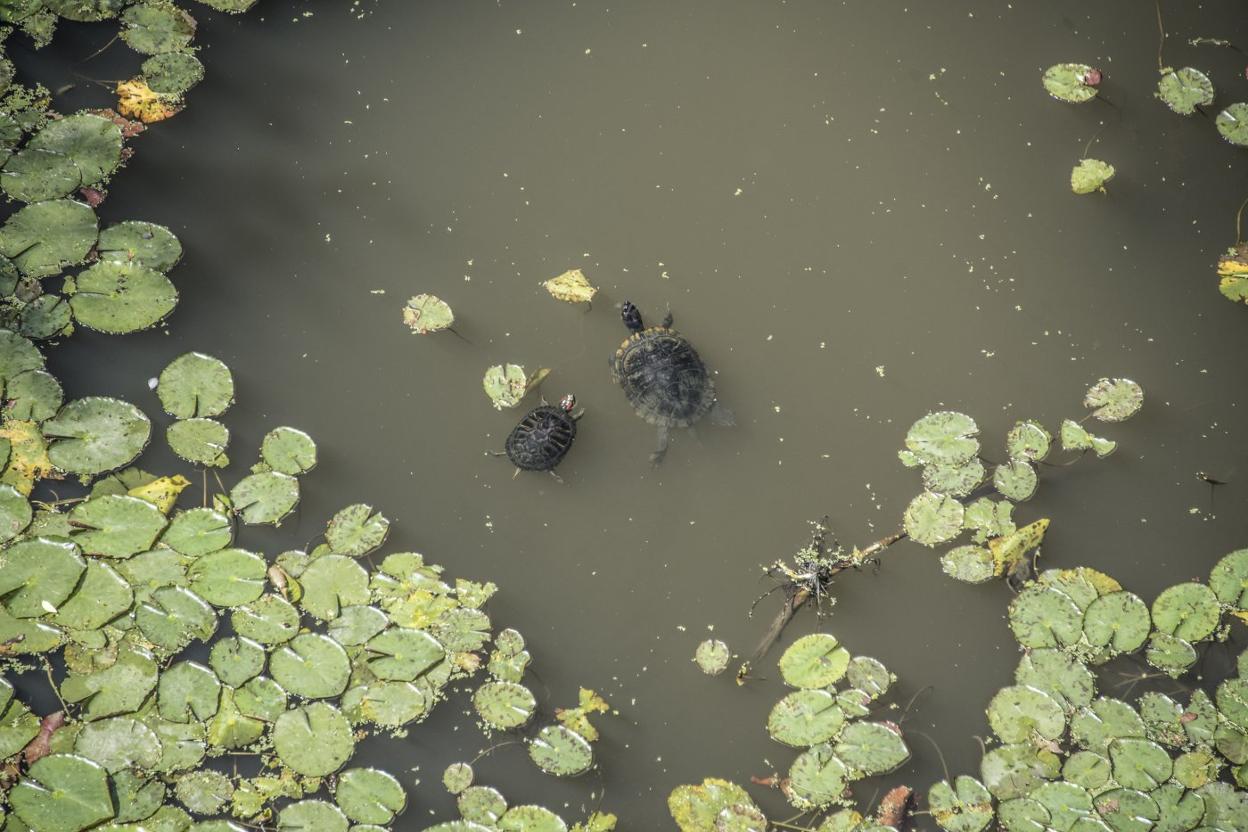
{"x": 663, "y": 377}
{"x": 542, "y": 439}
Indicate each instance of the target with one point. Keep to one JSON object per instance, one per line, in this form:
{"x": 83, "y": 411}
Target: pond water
{"x": 858, "y": 212}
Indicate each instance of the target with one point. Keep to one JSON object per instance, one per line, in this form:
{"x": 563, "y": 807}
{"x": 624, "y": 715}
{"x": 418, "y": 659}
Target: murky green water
{"x": 857, "y": 211}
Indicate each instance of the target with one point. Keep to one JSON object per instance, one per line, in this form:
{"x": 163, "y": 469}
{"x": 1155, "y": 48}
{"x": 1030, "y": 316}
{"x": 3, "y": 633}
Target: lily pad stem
{"x": 1161, "y": 39}
{"x": 1239, "y": 215}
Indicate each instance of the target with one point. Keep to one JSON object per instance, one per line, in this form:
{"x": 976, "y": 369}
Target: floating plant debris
{"x": 1090, "y": 176}
{"x": 424, "y": 314}
{"x": 571, "y": 286}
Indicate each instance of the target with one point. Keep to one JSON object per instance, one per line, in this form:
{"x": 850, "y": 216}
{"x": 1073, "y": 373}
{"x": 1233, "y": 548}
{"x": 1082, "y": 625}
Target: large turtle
{"x": 664, "y": 379}
{"x": 543, "y": 437}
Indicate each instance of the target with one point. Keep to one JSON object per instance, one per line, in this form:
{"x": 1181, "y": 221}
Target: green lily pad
{"x": 368, "y": 795}
{"x": 871, "y": 748}
{"x": 870, "y": 675}
{"x": 814, "y": 661}
{"x": 505, "y": 385}
{"x": 1076, "y": 438}
{"x": 204, "y": 792}
{"x": 817, "y": 778}
{"x": 37, "y": 576}
{"x": 270, "y": 619}
{"x": 480, "y": 804}
{"x": 806, "y": 718}
{"x": 228, "y": 578}
{"x": 1090, "y": 176}
{"x": 1189, "y": 611}
{"x": 182, "y": 744}
{"x": 1016, "y": 770}
{"x": 1232, "y": 124}
{"x": 34, "y": 175}
{"x": 1196, "y": 768}
{"x": 458, "y": 777}
{"x": 47, "y": 316}
{"x": 1139, "y": 763}
{"x": 138, "y": 796}
{"x": 965, "y": 806}
{"x": 356, "y": 530}
{"x": 953, "y": 480}
{"x": 402, "y": 654}
{"x": 173, "y": 616}
{"x": 119, "y": 743}
{"x": 92, "y": 141}
{"x": 504, "y": 705}
{"x": 969, "y": 564}
{"x": 313, "y": 740}
{"x": 198, "y": 531}
{"x": 265, "y": 498}
{"x": 330, "y": 583}
{"x": 200, "y": 441}
{"x": 118, "y": 298}
{"x": 1118, "y": 621}
{"x": 195, "y": 385}
{"x": 1096, "y": 726}
{"x": 1127, "y": 810}
{"x": 261, "y": 698}
{"x": 288, "y": 450}
{"x": 63, "y": 793}
{"x": 1016, "y": 480}
{"x": 120, "y": 688}
{"x": 462, "y": 630}
{"x": 102, "y": 597}
{"x": 1088, "y": 770}
{"x": 932, "y": 519}
{"x": 427, "y": 313}
{"x": 1044, "y": 617}
{"x": 236, "y": 660}
{"x": 1066, "y": 804}
{"x": 1114, "y": 400}
{"x": 1063, "y": 677}
{"x": 696, "y": 808}
{"x": 357, "y": 624}
{"x": 44, "y": 237}
{"x": 1022, "y": 814}
{"x": 116, "y": 526}
{"x": 172, "y": 73}
{"x": 1232, "y": 701}
{"x": 561, "y": 752}
{"x": 1229, "y": 579}
{"x": 311, "y": 665}
{"x": 156, "y": 26}
{"x": 33, "y": 395}
{"x": 1018, "y": 713}
{"x": 1067, "y": 82}
{"x": 1184, "y": 90}
{"x": 388, "y": 704}
{"x": 96, "y": 434}
{"x": 531, "y": 819}
{"x": 712, "y": 656}
{"x": 1028, "y": 441}
{"x": 312, "y": 816}
{"x": 945, "y": 437}
{"x": 188, "y": 691}
{"x": 146, "y": 243}
{"x": 1170, "y": 654}
{"x": 988, "y": 518}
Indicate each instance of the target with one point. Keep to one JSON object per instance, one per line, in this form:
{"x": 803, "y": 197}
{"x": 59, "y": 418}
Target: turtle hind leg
{"x": 515, "y": 474}
{"x": 721, "y": 416}
{"x": 656, "y": 458}
{"x": 558, "y": 478}
{"x": 668, "y": 320}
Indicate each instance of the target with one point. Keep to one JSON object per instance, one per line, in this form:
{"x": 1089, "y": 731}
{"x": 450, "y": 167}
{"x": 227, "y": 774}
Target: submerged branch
{"x": 795, "y": 596}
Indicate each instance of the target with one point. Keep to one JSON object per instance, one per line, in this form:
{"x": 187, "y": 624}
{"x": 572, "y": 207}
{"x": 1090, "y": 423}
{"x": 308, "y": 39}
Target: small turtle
{"x": 664, "y": 379}
{"x": 543, "y": 437}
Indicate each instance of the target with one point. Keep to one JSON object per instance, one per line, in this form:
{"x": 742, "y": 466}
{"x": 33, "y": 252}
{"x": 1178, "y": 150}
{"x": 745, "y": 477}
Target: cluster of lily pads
{"x": 1070, "y": 760}
{"x": 825, "y": 716}
{"x": 320, "y": 650}
{"x": 945, "y": 445}
{"x": 484, "y": 808}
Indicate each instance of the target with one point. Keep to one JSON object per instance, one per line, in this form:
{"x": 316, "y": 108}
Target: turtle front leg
{"x": 576, "y": 417}
{"x": 496, "y": 453}
{"x": 656, "y": 458}
{"x": 558, "y": 478}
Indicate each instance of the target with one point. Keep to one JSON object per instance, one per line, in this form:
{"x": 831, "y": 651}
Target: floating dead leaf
{"x": 135, "y": 99}
{"x": 571, "y": 286}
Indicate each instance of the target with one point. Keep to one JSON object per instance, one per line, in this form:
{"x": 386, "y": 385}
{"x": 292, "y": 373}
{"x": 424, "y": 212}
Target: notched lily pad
{"x": 424, "y": 314}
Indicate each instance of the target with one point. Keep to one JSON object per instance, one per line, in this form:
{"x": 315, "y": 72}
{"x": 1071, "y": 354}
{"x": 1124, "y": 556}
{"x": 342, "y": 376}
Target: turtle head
{"x": 632, "y": 317}
{"x": 568, "y": 403}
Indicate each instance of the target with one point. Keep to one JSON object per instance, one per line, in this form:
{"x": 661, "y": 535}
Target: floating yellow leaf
{"x": 162, "y": 492}
{"x": 28, "y": 458}
{"x": 572, "y": 287}
{"x": 1233, "y": 269}
{"x": 578, "y": 718}
{"x": 135, "y": 99}
{"x": 1009, "y": 551}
